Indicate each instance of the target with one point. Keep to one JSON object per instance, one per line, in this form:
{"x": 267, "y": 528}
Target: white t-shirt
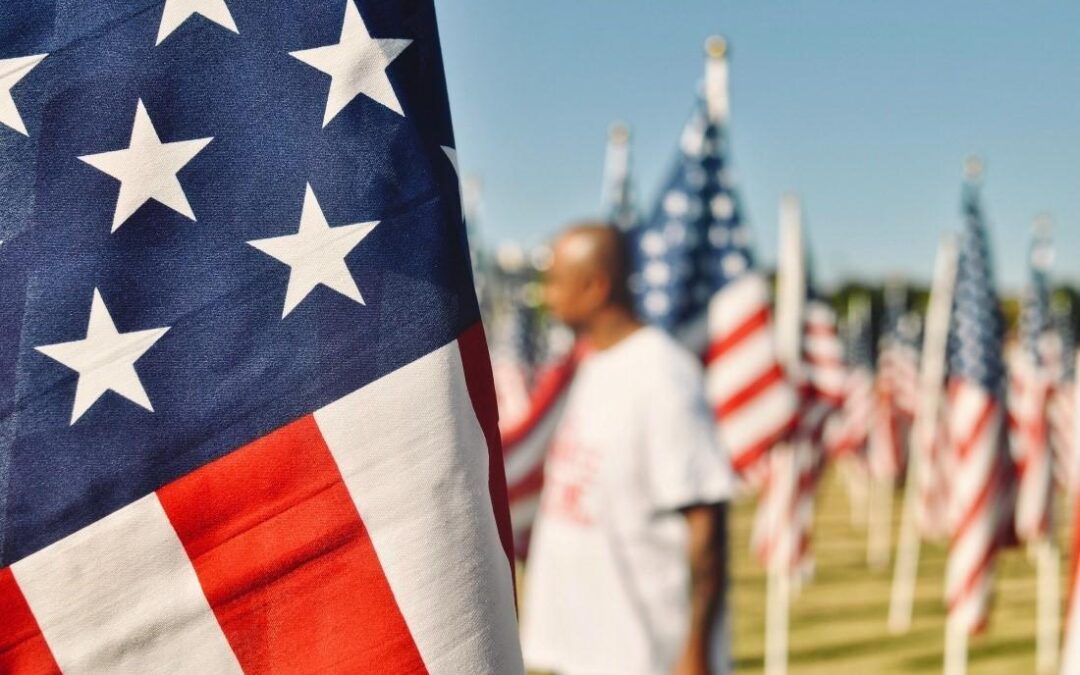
{"x": 607, "y": 583}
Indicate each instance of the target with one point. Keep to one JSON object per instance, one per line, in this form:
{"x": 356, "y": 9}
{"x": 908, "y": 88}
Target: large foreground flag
{"x": 696, "y": 276}
{"x": 980, "y": 489}
{"x": 247, "y": 417}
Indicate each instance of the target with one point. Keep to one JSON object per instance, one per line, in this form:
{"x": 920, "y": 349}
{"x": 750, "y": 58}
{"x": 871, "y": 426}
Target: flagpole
{"x": 1045, "y": 553}
{"x": 790, "y": 299}
{"x": 879, "y": 520}
{"x": 857, "y": 479}
{"x": 616, "y": 164}
{"x": 924, "y": 427}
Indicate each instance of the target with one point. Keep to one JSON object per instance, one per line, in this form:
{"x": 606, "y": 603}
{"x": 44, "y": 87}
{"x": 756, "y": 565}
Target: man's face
{"x": 573, "y": 289}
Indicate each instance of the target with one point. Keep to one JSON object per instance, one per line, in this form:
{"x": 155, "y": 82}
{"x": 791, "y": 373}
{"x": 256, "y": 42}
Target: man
{"x": 627, "y": 570}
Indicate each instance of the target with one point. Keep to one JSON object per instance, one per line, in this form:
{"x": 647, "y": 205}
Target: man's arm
{"x": 708, "y": 585}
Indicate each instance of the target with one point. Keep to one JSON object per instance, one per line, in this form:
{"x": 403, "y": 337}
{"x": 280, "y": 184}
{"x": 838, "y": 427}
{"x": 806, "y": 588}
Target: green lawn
{"x": 838, "y": 622}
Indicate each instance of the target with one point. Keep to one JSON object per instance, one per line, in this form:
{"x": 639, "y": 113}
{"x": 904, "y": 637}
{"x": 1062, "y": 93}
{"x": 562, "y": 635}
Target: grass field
{"x": 838, "y": 622}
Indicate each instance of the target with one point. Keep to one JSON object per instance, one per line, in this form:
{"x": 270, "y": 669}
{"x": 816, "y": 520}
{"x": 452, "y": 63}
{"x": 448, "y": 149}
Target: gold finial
{"x": 716, "y": 47}
{"x": 974, "y": 168}
{"x": 619, "y": 133}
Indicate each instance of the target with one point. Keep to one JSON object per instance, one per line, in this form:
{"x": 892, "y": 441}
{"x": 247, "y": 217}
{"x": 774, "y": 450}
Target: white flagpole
{"x": 790, "y": 301}
{"x": 857, "y": 478}
{"x": 616, "y": 164}
{"x": 931, "y": 382}
{"x": 1044, "y": 552}
{"x": 879, "y": 520}
{"x": 1048, "y": 599}
{"x": 879, "y": 523}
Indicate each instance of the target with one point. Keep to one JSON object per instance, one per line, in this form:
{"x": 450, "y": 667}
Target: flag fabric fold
{"x": 981, "y": 484}
{"x": 247, "y": 421}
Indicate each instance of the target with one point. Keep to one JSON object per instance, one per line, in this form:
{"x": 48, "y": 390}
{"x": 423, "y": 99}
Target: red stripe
{"x": 751, "y": 325}
{"x": 820, "y": 328}
{"x": 750, "y": 392}
{"x": 477, "y": 364}
{"x": 286, "y": 562}
{"x": 22, "y": 646}
{"x": 822, "y": 361}
{"x": 550, "y": 386}
{"x": 963, "y": 449}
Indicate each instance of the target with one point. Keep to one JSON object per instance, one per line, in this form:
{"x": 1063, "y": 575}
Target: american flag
{"x": 979, "y": 508}
{"x": 1030, "y": 388}
{"x": 696, "y": 277}
{"x": 618, "y": 194}
{"x": 248, "y": 416}
{"x": 895, "y": 388}
{"x": 848, "y": 430}
{"x": 1061, "y": 409}
{"x": 785, "y": 514}
{"x": 514, "y": 355}
{"x": 528, "y": 439}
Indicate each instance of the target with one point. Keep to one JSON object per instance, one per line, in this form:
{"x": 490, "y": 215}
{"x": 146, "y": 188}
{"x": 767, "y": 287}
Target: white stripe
{"x": 971, "y": 475}
{"x": 415, "y": 461}
{"x": 732, "y": 372}
{"x": 737, "y": 301}
{"x": 758, "y": 418}
{"x": 965, "y": 407}
{"x": 121, "y": 596}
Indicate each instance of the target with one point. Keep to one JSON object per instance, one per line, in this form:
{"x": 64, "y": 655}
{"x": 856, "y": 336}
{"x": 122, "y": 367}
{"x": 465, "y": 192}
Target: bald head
{"x": 595, "y": 247}
{"x": 588, "y": 272}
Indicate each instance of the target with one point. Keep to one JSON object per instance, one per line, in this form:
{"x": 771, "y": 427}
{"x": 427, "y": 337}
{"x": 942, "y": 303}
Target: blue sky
{"x": 866, "y": 109}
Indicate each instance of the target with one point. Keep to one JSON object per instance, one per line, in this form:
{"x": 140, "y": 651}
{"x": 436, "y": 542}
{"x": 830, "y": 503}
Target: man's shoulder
{"x": 662, "y": 355}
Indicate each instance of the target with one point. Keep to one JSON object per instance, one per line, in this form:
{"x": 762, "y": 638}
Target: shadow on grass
{"x": 841, "y": 650}
{"x": 979, "y": 652}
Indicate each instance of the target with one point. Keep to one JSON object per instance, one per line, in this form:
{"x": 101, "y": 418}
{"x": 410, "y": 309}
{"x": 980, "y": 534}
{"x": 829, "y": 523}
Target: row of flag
{"x": 795, "y": 387}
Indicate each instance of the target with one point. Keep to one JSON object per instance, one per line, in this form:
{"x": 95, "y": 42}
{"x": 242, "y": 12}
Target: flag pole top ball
{"x": 619, "y": 133}
{"x": 716, "y": 47}
{"x": 974, "y": 168}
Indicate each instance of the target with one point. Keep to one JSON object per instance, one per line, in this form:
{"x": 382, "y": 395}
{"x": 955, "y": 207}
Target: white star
{"x": 177, "y": 12}
{"x": 11, "y": 71}
{"x": 105, "y": 359}
{"x": 357, "y": 65}
{"x": 147, "y": 169}
{"x": 316, "y": 254}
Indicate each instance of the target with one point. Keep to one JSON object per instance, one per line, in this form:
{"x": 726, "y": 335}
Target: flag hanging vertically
{"x": 1062, "y": 406}
{"x": 248, "y": 422}
{"x": 695, "y": 275}
{"x": 895, "y": 388}
{"x": 1030, "y": 388}
{"x": 514, "y": 351}
{"x": 785, "y": 515}
{"x": 847, "y": 432}
{"x": 528, "y": 439}
{"x": 980, "y": 472}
